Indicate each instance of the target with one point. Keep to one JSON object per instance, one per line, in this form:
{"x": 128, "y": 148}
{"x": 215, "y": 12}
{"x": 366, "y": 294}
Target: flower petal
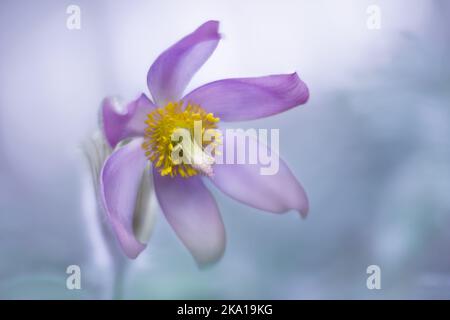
{"x": 173, "y": 69}
{"x": 118, "y": 126}
{"x": 192, "y": 212}
{"x": 250, "y": 98}
{"x": 146, "y": 209}
{"x": 120, "y": 181}
{"x": 276, "y": 193}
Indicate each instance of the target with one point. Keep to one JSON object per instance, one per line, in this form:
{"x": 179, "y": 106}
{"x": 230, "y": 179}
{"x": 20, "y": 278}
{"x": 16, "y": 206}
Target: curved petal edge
{"x": 172, "y": 71}
{"x": 193, "y": 214}
{"x": 242, "y": 99}
{"x": 277, "y": 192}
{"x": 119, "y": 125}
{"x": 120, "y": 181}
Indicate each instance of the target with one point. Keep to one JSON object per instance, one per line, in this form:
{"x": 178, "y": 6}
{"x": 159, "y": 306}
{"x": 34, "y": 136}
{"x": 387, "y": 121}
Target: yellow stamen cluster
{"x": 161, "y": 124}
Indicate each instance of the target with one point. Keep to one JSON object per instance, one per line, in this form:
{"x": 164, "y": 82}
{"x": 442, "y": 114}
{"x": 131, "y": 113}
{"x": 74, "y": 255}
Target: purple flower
{"x": 185, "y": 201}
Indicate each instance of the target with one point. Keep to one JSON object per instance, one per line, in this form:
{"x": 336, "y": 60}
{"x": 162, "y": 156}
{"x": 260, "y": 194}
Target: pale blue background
{"x": 371, "y": 147}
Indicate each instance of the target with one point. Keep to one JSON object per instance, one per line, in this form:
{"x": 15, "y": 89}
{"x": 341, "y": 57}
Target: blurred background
{"x": 371, "y": 148}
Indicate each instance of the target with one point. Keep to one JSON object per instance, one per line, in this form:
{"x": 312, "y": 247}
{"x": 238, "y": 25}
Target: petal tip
{"x": 171, "y": 72}
{"x": 208, "y": 258}
{"x": 302, "y": 87}
{"x": 204, "y": 263}
{"x": 108, "y": 109}
{"x": 119, "y": 122}
{"x": 303, "y": 213}
{"x": 209, "y": 29}
{"x": 135, "y": 251}
{"x": 130, "y": 247}
{"x": 212, "y": 25}
{"x": 303, "y": 205}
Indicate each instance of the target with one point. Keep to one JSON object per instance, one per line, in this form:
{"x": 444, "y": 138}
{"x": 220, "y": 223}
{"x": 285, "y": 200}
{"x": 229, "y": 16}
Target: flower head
{"x": 162, "y": 123}
{"x": 163, "y": 130}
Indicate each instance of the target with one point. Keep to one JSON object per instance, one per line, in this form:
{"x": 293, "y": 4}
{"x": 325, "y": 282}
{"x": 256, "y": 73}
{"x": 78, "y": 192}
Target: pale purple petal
{"x": 276, "y": 193}
{"x": 130, "y": 123}
{"x": 250, "y": 98}
{"x": 192, "y": 212}
{"x": 120, "y": 180}
{"x": 173, "y": 69}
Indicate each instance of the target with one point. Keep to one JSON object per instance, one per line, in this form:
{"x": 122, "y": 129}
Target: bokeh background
{"x": 371, "y": 148}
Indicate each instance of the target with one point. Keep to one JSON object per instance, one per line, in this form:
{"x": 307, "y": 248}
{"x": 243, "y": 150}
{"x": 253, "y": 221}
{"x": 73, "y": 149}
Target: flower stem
{"x": 119, "y": 280}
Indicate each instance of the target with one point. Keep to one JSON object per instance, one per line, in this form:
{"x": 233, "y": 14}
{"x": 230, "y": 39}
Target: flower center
{"x": 181, "y": 140}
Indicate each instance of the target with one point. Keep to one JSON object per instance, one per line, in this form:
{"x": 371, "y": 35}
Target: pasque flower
{"x": 147, "y": 125}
